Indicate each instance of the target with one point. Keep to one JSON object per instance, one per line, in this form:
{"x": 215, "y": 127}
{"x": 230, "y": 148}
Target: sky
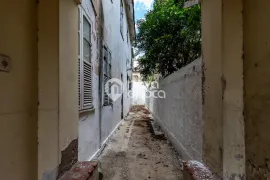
{"x": 141, "y": 7}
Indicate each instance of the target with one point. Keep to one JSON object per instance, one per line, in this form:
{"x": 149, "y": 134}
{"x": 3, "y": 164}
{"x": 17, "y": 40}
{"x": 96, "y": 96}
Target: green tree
{"x": 169, "y": 37}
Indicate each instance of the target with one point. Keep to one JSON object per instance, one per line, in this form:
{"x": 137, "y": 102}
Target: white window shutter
{"x": 87, "y": 86}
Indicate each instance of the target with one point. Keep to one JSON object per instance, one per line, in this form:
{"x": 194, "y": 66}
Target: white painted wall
{"x": 89, "y": 121}
{"x": 89, "y": 126}
{"x": 180, "y": 113}
{"x": 139, "y": 90}
{"x": 121, "y": 52}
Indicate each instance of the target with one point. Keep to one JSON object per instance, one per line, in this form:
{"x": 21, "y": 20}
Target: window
{"x": 129, "y": 83}
{"x": 107, "y": 72}
{"x": 122, "y": 19}
{"x": 127, "y": 35}
{"x": 84, "y": 63}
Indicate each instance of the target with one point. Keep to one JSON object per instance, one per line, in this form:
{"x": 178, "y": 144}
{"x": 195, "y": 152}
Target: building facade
{"x": 55, "y": 60}
{"x": 115, "y": 42}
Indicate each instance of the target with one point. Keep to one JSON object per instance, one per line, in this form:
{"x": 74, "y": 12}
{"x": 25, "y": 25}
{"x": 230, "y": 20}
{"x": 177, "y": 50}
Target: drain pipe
{"x": 100, "y": 41}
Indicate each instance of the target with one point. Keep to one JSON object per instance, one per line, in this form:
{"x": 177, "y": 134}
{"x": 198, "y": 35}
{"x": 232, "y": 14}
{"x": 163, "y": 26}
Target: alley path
{"x": 135, "y": 154}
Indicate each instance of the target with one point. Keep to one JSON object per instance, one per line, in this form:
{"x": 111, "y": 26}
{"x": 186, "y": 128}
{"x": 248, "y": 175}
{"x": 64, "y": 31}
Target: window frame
{"x": 122, "y": 19}
{"x": 107, "y": 57}
{"x": 82, "y": 106}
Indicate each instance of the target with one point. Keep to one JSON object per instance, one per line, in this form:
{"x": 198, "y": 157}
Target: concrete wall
{"x": 180, "y": 113}
{"x": 257, "y": 87}
{"x": 18, "y": 92}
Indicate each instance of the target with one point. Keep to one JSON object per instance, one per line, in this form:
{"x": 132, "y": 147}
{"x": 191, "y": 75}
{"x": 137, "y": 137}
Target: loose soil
{"x": 134, "y": 153}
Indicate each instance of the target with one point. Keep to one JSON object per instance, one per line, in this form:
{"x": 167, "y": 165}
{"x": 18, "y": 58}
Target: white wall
{"x": 121, "y": 51}
{"x": 89, "y": 128}
{"x": 89, "y": 121}
{"x": 139, "y": 90}
{"x": 180, "y": 113}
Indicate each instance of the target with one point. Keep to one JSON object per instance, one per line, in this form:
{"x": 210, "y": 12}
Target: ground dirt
{"x": 134, "y": 153}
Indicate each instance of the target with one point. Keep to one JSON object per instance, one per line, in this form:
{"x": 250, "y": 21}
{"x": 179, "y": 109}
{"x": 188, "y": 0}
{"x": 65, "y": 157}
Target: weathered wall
{"x": 90, "y": 127}
{"x": 232, "y": 84}
{"x": 121, "y": 53}
{"x": 68, "y": 73}
{"x": 257, "y": 87}
{"x": 212, "y": 84}
{"x": 180, "y": 113}
{"x": 18, "y": 92}
{"x": 57, "y": 83}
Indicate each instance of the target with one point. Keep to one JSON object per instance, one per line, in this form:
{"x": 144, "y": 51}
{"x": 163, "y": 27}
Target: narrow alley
{"x": 134, "y": 153}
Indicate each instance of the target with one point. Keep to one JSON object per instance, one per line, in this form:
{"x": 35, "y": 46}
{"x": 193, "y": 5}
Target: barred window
{"x": 107, "y": 72}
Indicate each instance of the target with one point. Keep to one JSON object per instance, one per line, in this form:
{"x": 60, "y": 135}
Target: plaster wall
{"x": 212, "y": 85}
{"x": 180, "y": 113}
{"x": 68, "y": 73}
{"x": 57, "y": 82}
{"x": 257, "y": 87}
{"x": 232, "y": 86}
{"x": 18, "y": 92}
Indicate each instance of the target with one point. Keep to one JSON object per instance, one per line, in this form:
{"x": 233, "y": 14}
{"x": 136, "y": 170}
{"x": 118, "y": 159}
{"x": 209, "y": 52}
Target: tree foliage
{"x": 169, "y": 37}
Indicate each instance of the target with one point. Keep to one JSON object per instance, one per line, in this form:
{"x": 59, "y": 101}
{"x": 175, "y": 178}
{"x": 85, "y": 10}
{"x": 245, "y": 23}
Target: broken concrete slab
{"x": 156, "y": 129}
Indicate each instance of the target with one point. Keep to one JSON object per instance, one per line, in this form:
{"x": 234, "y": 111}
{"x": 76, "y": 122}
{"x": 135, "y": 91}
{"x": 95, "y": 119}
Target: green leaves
{"x": 169, "y": 37}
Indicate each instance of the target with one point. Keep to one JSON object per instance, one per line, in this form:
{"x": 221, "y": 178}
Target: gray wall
{"x": 180, "y": 113}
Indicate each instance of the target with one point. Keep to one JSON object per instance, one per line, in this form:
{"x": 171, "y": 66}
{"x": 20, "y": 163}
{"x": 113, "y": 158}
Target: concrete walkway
{"x": 134, "y": 153}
